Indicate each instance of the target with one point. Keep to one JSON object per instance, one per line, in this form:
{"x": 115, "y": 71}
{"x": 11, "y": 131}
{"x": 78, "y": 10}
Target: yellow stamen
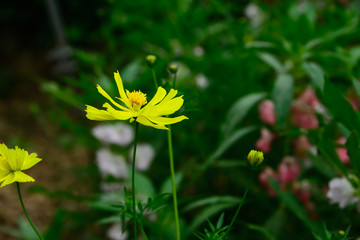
{"x": 137, "y": 99}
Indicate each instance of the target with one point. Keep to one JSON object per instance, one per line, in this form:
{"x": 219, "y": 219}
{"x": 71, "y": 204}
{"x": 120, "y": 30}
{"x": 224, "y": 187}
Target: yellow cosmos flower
{"x": 136, "y": 108}
{"x": 13, "y": 162}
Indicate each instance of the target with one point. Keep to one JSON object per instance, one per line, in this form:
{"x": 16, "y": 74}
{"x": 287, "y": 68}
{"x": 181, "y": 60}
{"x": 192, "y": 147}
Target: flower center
{"x": 137, "y": 99}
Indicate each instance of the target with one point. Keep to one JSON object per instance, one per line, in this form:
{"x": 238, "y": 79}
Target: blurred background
{"x": 230, "y": 55}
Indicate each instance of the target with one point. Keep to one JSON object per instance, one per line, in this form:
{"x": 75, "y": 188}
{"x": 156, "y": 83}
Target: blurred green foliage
{"x": 231, "y": 55}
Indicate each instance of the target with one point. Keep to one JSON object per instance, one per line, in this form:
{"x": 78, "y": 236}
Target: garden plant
{"x": 180, "y": 120}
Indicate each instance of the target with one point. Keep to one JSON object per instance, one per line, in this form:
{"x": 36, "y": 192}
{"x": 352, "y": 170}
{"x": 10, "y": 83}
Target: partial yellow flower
{"x": 255, "y": 158}
{"x": 13, "y": 162}
{"x": 136, "y": 108}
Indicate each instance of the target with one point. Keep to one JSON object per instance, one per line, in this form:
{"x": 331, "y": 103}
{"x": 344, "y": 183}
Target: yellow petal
{"x": 144, "y": 121}
{"x": 120, "y": 87}
{"x": 3, "y": 174}
{"x": 165, "y": 120}
{"x": 102, "y": 92}
{"x": 159, "y": 95}
{"x": 172, "y": 93}
{"x": 21, "y": 154}
{"x": 98, "y": 115}
{"x": 3, "y": 149}
{"x": 4, "y": 165}
{"x": 22, "y": 177}
{"x": 169, "y": 107}
{"x": 121, "y": 115}
{"x": 9, "y": 179}
{"x": 12, "y": 159}
{"x": 30, "y": 161}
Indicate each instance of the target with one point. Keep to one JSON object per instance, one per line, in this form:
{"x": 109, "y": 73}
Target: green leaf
{"x": 220, "y": 221}
{"x": 166, "y": 187}
{"x": 259, "y": 44}
{"x": 339, "y": 107}
{"x": 277, "y": 221}
{"x": 226, "y": 144}
{"x": 266, "y": 232}
{"x": 212, "y": 201}
{"x": 353, "y": 149}
{"x": 356, "y": 84}
{"x": 272, "y": 61}
{"x": 143, "y": 184}
{"x": 322, "y": 166}
{"x": 333, "y": 35}
{"x": 316, "y": 74}
{"x": 238, "y": 111}
{"x": 158, "y": 202}
{"x": 206, "y": 213}
{"x": 60, "y": 93}
{"x": 111, "y": 219}
{"x": 131, "y": 71}
{"x": 282, "y": 95}
{"x": 54, "y": 231}
{"x": 295, "y": 206}
{"x": 326, "y": 146}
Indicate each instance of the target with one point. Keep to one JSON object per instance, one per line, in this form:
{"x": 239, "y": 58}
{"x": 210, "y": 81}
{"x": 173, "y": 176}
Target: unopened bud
{"x": 173, "y": 68}
{"x": 255, "y": 158}
{"x": 150, "y": 60}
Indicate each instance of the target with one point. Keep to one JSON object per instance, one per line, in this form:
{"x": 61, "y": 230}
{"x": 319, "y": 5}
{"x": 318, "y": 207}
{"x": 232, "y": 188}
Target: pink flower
{"x": 309, "y": 97}
{"x": 354, "y": 101}
{"x": 302, "y": 192}
{"x": 302, "y": 146}
{"x": 302, "y": 115}
{"x": 342, "y": 152}
{"x": 267, "y": 112}
{"x": 264, "y": 143}
{"x": 264, "y": 180}
{"x": 288, "y": 170}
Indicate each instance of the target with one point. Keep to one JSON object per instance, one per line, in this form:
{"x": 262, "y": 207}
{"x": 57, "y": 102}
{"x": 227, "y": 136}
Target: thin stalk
{"x": 154, "y": 77}
{"x": 237, "y": 211}
{"x": 26, "y": 214}
{"x": 133, "y": 178}
{"x": 174, "y": 80}
{"x": 171, "y": 157}
{"x": 143, "y": 232}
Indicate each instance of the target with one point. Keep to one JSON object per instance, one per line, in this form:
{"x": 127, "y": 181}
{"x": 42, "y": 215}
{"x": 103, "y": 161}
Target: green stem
{"x": 26, "y": 214}
{"x": 174, "y": 80}
{"x": 133, "y": 178}
{"x": 237, "y": 211}
{"x": 154, "y": 77}
{"x": 171, "y": 157}
{"x": 143, "y": 232}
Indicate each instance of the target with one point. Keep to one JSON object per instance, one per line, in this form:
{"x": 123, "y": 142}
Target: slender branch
{"x": 237, "y": 211}
{"x": 171, "y": 157}
{"x": 154, "y": 77}
{"x": 143, "y": 232}
{"x": 174, "y": 80}
{"x": 26, "y": 214}
{"x": 133, "y": 178}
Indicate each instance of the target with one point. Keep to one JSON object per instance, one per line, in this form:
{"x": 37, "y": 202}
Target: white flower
{"x": 112, "y": 187}
{"x": 341, "y": 192}
{"x": 111, "y": 164}
{"x": 145, "y": 153}
{"x": 198, "y": 51}
{"x": 121, "y": 134}
{"x": 254, "y": 14}
{"x": 115, "y": 232}
{"x": 201, "y": 81}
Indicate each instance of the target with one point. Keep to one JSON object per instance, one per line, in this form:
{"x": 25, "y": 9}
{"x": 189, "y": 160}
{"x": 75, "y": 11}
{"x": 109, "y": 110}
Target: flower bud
{"x": 173, "y": 68}
{"x": 255, "y": 158}
{"x": 150, "y": 60}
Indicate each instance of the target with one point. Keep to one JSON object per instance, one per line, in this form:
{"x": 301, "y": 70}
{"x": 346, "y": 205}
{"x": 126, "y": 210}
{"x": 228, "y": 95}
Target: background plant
{"x": 231, "y": 56}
